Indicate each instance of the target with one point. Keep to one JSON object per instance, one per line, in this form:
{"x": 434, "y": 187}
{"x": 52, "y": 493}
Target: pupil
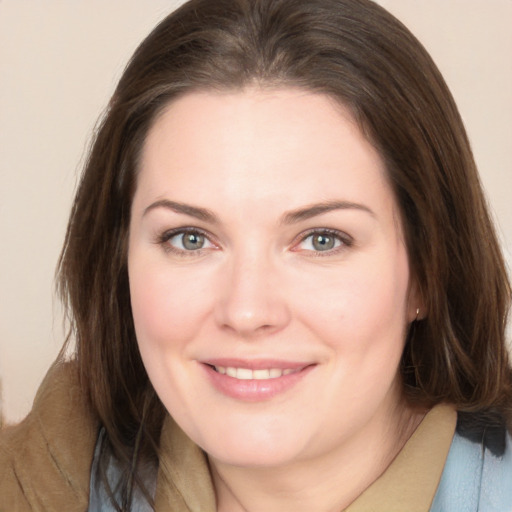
{"x": 193, "y": 241}
{"x": 323, "y": 242}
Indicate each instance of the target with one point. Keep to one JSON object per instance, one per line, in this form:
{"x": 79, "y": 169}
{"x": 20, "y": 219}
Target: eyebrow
{"x": 318, "y": 209}
{"x": 186, "y": 209}
{"x": 292, "y": 217}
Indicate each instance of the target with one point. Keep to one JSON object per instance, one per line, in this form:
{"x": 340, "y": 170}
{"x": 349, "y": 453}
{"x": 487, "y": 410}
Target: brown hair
{"x": 357, "y": 53}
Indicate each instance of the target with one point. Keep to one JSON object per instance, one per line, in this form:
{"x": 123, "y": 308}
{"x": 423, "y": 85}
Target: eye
{"x": 188, "y": 241}
{"x": 323, "y": 241}
{"x": 185, "y": 241}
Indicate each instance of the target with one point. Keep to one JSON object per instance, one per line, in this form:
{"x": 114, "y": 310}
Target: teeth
{"x": 261, "y": 374}
{"x": 247, "y": 374}
{"x": 243, "y": 374}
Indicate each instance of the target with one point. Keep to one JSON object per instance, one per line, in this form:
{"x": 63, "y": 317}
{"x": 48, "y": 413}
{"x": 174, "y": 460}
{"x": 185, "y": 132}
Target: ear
{"x": 416, "y": 309}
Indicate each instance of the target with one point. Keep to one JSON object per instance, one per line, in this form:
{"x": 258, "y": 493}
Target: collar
{"x": 410, "y": 482}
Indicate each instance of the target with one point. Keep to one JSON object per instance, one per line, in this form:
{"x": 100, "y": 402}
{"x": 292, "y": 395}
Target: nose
{"x": 250, "y": 300}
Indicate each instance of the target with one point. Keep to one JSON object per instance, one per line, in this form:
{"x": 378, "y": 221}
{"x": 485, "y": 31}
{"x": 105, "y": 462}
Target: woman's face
{"x": 268, "y": 274}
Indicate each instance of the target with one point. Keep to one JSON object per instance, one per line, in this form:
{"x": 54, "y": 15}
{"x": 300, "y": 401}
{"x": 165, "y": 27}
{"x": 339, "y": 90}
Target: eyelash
{"x": 164, "y": 238}
{"x": 345, "y": 241}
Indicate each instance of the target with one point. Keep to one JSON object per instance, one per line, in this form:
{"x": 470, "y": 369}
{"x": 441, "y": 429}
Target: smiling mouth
{"x": 248, "y": 374}
{"x": 255, "y": 381}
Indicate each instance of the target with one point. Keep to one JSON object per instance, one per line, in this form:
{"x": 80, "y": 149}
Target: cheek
{"x": 362, "y": 307}
{"x": 167, "y": 305}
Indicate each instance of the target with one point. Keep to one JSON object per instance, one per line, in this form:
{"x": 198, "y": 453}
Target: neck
{"x": 325, "y": 484}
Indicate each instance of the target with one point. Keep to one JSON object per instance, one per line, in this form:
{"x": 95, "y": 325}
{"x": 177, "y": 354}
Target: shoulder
{"x": 46, "y": 459}
{"x": 478, "y": 469}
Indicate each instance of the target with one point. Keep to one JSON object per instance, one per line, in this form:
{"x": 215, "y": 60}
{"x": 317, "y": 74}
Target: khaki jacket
{"x": 45, "y": 461}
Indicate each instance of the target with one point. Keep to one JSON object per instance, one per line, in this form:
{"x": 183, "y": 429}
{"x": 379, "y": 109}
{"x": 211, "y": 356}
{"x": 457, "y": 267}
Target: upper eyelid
{"x": 169, "y": 233}
{"x": 345, "y": 237}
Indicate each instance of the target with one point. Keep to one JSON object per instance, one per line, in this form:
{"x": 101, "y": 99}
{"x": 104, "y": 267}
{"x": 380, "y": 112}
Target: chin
{"x": 253, "y": 456}
{"x": 253, "y": 447}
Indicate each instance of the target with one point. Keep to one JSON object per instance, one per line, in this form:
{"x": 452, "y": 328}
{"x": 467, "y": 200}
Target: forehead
{"x": 257, "y": 145}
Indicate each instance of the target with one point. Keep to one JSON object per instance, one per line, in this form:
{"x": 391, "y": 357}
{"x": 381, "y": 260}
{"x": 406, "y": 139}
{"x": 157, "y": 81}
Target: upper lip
{"x": 257, "y": 364}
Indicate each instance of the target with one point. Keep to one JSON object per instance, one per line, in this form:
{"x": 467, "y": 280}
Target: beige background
{"x": 59, "y": 62}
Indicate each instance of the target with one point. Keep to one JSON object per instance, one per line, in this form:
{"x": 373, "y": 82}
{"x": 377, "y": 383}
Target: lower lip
{"x": 253, "y": 390}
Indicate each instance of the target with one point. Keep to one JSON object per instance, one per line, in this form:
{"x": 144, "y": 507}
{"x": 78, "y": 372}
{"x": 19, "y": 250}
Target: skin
{"x": 259, "y": 288}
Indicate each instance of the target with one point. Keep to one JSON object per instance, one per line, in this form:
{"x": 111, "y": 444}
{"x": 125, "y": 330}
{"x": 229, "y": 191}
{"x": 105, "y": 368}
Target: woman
{"x": 283, "y": 282}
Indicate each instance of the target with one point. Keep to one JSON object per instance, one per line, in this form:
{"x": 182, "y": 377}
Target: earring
{"x": 417, "y": 314}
